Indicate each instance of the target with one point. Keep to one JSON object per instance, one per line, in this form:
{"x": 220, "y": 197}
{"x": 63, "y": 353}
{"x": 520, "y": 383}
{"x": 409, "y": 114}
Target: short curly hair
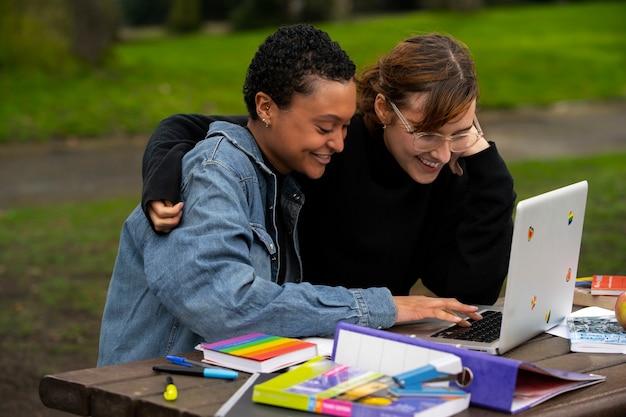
{"x": 290, "y": 60}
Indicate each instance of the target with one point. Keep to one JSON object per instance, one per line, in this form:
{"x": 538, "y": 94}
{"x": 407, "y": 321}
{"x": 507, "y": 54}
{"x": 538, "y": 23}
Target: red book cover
{"x": 608, "y": 284}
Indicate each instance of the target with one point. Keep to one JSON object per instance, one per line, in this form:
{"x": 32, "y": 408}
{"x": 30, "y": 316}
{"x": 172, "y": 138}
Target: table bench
{"x": 135, "y": 390}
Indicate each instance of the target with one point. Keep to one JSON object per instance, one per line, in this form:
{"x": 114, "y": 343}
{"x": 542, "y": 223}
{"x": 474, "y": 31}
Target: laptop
{"x": 547, "y": 233}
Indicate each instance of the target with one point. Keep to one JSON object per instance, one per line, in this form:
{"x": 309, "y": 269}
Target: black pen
{"x": 204, "y": 372}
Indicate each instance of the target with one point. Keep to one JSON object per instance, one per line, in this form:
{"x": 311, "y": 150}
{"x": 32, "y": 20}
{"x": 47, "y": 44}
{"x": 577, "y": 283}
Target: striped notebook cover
{"x": 258, "y": 352}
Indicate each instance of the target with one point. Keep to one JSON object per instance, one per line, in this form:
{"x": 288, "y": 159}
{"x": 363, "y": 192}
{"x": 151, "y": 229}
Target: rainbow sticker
{"x": 548, "y": 316}
{"x": 533, "y": 302}
{"x": 568, "y": 277}
{"x": 531, "y": 232}
{"x": 570, "y": 217}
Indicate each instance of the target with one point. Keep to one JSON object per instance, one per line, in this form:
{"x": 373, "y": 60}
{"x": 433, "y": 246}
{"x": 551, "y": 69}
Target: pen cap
{"x": 220, "y": 373}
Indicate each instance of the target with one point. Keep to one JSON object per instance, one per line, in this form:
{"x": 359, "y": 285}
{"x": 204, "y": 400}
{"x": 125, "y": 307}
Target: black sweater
{"x": 366, "y": 223}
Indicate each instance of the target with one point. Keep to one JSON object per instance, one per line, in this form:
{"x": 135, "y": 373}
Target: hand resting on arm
{"x": 165, "y": 215}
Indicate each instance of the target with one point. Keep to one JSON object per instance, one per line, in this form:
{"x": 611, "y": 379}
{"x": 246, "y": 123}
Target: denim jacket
{"x": 214, "y": 276}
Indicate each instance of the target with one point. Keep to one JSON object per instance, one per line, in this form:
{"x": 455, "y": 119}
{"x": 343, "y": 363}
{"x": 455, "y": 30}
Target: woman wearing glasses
{"x": 417, "y": 193}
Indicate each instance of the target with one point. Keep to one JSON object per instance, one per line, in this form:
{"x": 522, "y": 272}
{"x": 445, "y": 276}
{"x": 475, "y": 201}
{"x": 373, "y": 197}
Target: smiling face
{"x": 304, "y": 136}
{"x": 422, "y": 167}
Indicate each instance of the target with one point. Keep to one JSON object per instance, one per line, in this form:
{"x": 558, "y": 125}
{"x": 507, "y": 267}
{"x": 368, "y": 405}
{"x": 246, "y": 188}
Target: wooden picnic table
{"x": 134, "y": 389}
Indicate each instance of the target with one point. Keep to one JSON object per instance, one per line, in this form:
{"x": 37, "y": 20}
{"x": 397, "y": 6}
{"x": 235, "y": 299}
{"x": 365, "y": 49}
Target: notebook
{"x": 547, "y": 233}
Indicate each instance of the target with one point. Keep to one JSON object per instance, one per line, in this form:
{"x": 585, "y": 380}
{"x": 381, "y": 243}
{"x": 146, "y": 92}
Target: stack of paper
{"x": 595, "y": 330}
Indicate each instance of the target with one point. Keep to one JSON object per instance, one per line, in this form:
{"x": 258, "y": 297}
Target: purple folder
{"x": 496, "y": 383}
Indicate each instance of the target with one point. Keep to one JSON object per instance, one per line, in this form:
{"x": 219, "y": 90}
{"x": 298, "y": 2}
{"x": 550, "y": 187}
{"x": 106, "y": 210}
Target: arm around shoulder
{"x": 214, "y": 272}
{"x": 162, "y": 160}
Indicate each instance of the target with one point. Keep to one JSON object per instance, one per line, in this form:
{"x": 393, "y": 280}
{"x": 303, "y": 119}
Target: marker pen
{"x": 170, "y": 393}
{"x": 179, "y": 360}
{"x": 204, "y": 372}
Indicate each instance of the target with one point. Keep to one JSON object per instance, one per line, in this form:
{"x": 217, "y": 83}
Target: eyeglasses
{"x": 425, "y": 142}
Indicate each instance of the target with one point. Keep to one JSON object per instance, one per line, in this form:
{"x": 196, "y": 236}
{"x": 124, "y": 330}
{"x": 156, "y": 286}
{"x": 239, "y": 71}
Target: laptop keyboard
{"x": 486, "y": 330}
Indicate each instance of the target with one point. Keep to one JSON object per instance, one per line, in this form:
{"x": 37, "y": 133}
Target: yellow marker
{"x": 170, "y": 393}
{"x": 380, "y": 401}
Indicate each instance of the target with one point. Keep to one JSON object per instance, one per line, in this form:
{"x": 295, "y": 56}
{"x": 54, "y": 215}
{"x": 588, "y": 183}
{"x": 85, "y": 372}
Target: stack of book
{"x": 258, "y": 352}
{"x": 608, "y": 284}
{"x": 599, "y": 290}
{"x": 324, "y": 387}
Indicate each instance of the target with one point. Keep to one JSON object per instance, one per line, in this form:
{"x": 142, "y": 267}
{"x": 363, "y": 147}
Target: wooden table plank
{"x": 71, "y": 391}
{"x": 144, "y": 396}
{"x": 74, "y": 391}
{"x": 201, "y": 400}
{"x": 135, "y": 390}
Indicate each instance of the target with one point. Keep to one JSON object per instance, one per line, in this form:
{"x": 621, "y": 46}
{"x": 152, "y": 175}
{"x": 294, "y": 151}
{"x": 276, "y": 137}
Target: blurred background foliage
{"x": 60, "y": 36}
{"x": 57, "y": 36}
{"x": 94, "y": 68}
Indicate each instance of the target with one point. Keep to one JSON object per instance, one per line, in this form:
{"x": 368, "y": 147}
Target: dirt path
{"x": 90, "y": 169}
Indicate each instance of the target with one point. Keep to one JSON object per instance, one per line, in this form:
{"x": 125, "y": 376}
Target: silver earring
{"x": 266, "y": 123}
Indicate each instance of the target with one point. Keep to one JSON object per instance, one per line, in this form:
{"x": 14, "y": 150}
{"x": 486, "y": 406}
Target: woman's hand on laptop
{"x": 417, "y": 307}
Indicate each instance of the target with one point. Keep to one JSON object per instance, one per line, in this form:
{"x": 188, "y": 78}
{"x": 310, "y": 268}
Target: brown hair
{"x": 433, "y": 63}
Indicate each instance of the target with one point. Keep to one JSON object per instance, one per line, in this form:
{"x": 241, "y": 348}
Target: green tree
{"x": 185, "y": 16}
{"x": 268, "y": 13}
{"x": 341, "y": 9}
{"x": 144, "y": 12}
{"x": 59, "y": 36}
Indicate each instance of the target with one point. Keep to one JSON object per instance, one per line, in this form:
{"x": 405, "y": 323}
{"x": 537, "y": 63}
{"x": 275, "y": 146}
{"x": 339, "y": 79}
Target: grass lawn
{"x": 535, "y": 54}
{"x": 603, "y": 242}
